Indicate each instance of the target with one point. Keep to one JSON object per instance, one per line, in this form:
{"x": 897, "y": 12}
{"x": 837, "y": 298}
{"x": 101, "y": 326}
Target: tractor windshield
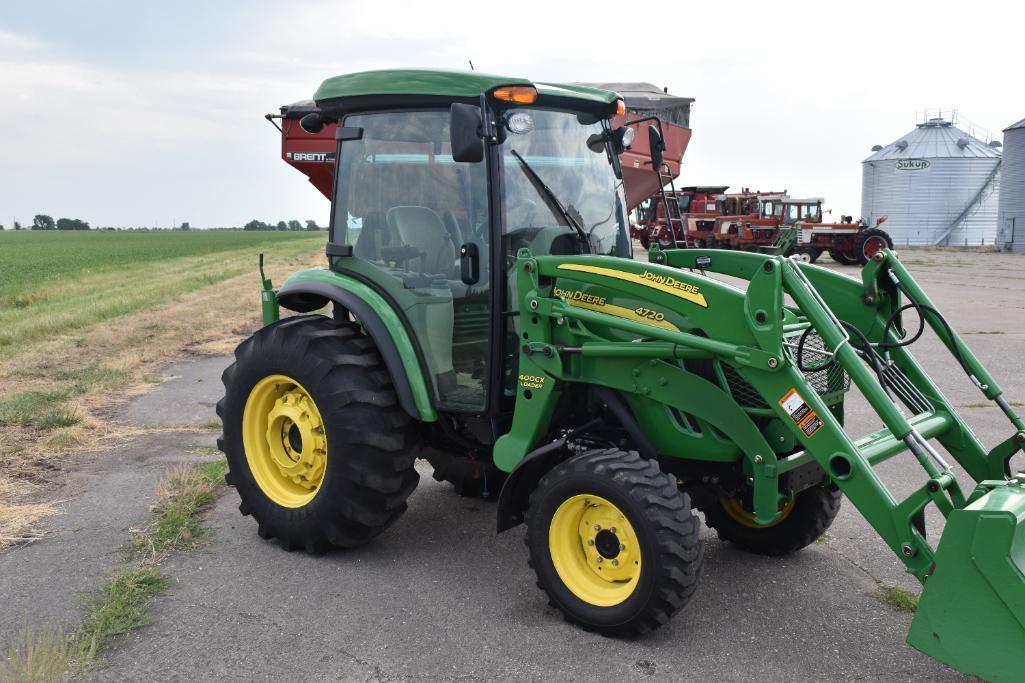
{"x": 553, "y": 145}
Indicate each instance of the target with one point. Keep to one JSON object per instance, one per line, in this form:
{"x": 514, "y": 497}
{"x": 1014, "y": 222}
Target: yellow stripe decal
{"x": 620, "y": 312}
{"x": 663, "y": 283}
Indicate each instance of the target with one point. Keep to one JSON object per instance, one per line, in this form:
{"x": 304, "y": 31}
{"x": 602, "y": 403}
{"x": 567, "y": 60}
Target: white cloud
{"x": 793, "y": 96}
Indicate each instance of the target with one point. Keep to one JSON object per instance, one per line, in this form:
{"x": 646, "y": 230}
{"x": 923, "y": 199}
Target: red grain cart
{"x": 314, "y": 153}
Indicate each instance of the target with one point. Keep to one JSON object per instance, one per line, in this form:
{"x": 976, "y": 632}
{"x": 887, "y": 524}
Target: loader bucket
{"x": 972, "y": 612}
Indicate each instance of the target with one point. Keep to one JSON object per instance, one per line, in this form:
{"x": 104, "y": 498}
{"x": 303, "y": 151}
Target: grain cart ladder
{"x": 670, "y": 199}
{"x": 972, "y": 609}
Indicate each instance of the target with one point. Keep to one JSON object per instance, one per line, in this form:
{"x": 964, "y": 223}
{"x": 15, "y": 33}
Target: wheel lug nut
{"x": 615, "y": 563}
{"x": 597, "y": 527}
{"x": 600, "y": 559}
{"x": 613, "y": 529}
{"x": 590, "y": 542}
{"x": 622, "y": 547}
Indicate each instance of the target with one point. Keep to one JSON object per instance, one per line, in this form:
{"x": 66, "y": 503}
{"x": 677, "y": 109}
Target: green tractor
{"x": 482, "y": 309}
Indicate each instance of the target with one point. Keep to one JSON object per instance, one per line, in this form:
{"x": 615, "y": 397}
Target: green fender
{"x": 310, "y": 290}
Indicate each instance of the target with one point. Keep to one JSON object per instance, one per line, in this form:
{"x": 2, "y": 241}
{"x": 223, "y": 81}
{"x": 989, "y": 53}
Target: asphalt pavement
{"x": 441, "y": 596}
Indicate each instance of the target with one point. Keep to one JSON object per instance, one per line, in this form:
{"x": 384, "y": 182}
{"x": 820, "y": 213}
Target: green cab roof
{"x": 448, "y": 84}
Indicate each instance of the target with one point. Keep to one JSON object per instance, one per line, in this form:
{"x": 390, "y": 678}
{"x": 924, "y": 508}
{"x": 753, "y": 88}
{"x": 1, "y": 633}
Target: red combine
{"x": 756, "y": 221}
{"x": 697, "y": 204}
{"x": 314, "y": 153}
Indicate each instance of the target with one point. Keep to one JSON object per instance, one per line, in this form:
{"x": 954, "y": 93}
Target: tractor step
{"x": 972, "y": 611}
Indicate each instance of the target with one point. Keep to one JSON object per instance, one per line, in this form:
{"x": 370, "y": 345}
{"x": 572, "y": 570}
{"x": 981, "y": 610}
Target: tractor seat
{"x": 422, "y": 228}
{"x": 372, "y": 236}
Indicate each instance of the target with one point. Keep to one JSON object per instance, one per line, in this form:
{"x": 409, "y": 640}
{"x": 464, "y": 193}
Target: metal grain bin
{"x": 938, "y": 185}
{"x": 1011, "y": 234}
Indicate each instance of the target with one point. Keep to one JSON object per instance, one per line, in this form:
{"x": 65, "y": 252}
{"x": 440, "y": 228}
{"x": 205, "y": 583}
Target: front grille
{"x": 825, "y": 382}
{"x": 828, "y": 380}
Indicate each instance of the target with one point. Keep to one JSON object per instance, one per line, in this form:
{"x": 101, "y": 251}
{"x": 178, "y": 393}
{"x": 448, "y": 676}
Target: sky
{"x": 151, "y": 114}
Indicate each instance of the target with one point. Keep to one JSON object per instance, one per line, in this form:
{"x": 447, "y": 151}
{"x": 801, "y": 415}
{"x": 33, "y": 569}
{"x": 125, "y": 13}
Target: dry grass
{"x": 94, "y": 342}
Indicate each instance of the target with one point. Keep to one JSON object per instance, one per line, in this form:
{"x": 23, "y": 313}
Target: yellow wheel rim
{"x": 736, "y": 510}
{"x": 595, "y": 550}
{"x": 283, "y": 436}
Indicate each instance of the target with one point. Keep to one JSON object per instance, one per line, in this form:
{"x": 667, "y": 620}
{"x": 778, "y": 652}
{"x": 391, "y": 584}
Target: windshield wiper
{"x": 553, "y": 203}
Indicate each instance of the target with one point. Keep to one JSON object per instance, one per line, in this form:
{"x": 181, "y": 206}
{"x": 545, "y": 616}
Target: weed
{"x": 181, "y": 496}
{"x": 53, "y": 419}
{"x": 30, "y": 408}
{"x": 902, "y": 599}
{"x": 45, "y": 654}
{"x": 212, "y": 423}
{"x": 117, "y": 607}
{"x": 63, "y": 439}
{"x": 203, "y": 450}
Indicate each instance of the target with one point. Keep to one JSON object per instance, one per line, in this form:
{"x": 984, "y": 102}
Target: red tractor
{"x": 847, "y": 242}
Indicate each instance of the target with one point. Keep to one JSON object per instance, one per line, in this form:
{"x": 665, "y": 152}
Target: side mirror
{"x": 464, "y": 131}
{"x": 657, "y": 146}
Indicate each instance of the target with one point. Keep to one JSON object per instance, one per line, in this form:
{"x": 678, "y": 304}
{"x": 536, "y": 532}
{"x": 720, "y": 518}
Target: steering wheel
{"x": 517, "y": 239}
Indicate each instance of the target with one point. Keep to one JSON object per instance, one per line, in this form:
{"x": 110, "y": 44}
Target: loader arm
{"x": 760, "y": 339}
{"x": 972, "y": 611}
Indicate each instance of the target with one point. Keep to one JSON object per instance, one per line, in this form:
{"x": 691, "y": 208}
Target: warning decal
{"x": 800, "y": 412}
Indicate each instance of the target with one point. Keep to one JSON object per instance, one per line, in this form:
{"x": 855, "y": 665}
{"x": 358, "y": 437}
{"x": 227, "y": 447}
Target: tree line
{"x": 280, "y": 225}
{"x": 44, "y": 222}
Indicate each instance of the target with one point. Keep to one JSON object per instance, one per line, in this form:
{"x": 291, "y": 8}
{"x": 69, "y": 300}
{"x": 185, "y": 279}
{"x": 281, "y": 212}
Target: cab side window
{"x": 407, "y": 208}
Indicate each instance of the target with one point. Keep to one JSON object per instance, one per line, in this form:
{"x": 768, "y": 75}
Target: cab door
{"x": 419, "y": 229}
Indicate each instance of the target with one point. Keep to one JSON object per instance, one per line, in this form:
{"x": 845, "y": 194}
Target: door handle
{"x": 469, "y": 263}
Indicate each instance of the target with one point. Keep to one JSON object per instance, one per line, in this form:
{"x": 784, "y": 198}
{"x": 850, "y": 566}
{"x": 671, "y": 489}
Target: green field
{"x": 52, "y": 283}
{"x": 29, "y": 258}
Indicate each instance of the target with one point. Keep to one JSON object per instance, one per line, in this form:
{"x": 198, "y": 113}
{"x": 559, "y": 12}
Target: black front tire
{"x": 370, "y": 440}
{"x": 812, "y": 513}
{"x": 667, "y": 533}
{"x": 809, "y": 254}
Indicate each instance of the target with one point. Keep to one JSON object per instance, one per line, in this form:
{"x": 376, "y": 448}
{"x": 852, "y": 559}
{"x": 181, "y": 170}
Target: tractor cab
{"x": 792, "y": 211}
{"x": 436, "y": 191}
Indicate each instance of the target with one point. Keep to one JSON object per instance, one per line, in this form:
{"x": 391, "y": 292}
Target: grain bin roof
{"x": 936, "y": 139}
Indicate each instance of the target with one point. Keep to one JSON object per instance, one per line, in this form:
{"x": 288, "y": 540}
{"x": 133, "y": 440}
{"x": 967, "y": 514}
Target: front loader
{"x": 482, "y": 309}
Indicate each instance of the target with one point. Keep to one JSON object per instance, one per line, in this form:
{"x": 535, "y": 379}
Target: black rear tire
{"x": 669, "y": 550}
{"x": 370, "y": 440}
{"x": 869, "y": 242}
{"x": 813, "y": 511}
{"x": 843, "y": 258}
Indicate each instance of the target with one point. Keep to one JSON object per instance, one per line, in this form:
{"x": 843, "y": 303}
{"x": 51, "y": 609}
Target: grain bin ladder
{"x": 972, "y": 610}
